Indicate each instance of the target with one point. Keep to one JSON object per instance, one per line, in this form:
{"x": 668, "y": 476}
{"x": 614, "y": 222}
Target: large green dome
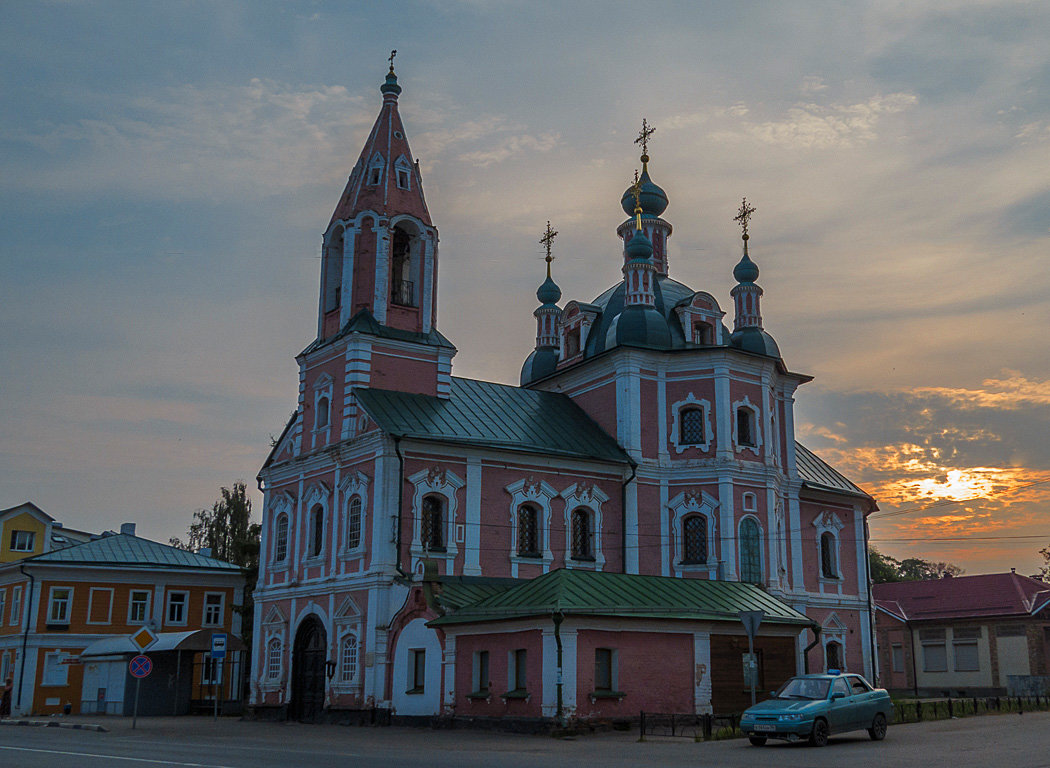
{"x": 652, "y": 199}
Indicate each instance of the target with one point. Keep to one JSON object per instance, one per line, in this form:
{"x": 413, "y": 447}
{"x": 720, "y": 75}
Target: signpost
{"x": 751, "y": 620}
{"x": 139, "y": 667}
{"x": 218, "y": 653}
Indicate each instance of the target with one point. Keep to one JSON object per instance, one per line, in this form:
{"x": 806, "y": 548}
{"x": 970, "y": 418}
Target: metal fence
{"x": 686, "y": 725}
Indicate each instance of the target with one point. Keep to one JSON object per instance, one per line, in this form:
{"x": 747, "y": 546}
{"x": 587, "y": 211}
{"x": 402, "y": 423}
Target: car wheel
{"x": 757, "y": 741}
{"x": 878, "y": 728}
{"x": 819, "y": 737}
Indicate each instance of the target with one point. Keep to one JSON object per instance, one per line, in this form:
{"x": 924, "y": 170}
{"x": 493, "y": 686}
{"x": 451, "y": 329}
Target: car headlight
{"x": 791, "y": 717}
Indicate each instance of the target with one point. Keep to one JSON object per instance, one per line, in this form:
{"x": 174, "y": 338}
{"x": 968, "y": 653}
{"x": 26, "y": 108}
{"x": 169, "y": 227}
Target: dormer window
{"x": 702, "y": 333}
{"x": 402, "y": 179}
{"x": 374, "y": 176}
{"x": 572, "y": 342}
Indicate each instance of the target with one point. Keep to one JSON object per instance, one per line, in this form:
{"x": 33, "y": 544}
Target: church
{"x": 580, "y": 546}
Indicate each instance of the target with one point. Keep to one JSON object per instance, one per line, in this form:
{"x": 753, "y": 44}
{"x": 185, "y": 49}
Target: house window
{"x": 745, "y": 426}
{"x": 210, "y": 674}
{"x": 353, "y": 523}
{"x": 964, "y": 648}
{"x": 138, "y": 606}
{"x": 58, "y": 607}
{"x": 402, "y": 285}
{"x": 402, "y": 179}
{"x": 317, "y": 531}
{"x": 213, "y": 605}
{"x": 572, "y": 342}
{"x": 348, "y": 659}
{"x": 582, "y": 535}
{"x": 280, "y": 544}
{"x": 694, "y": 535}
{"x": 897, "y": 654}
{"x": 481, "y": 673}
{"x": 16, "y": 606}
{"x": 828, "y": 566}
{"x": 702, "y": 333}
{"x": 177, "y": 607}
{"x": 375, "y": 176}
{"x": 517, "y": 668}
{"x": 55, "y": 672}
{"x": 321, "y": 418}
{"x": 833, "y": 656}
{"x": 527, "y": 543}
{"x": 273, "y": 658}
{"x": 604, "y": 670}
{"x": 431, "y": 524}
{"x": 417, "y": 657}
{"x": 750, "y": 552}
{"x": 22, "y": 541}
{"x": 934, "y": 651}
{"x": 691, "y": 426}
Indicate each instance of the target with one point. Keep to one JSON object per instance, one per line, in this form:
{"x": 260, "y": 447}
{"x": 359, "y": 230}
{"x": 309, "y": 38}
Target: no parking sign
{"x": 140, "y": 666}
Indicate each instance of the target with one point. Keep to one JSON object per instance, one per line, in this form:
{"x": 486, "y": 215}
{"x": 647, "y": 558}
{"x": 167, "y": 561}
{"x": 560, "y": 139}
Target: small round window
{"x": 398, "y": 135}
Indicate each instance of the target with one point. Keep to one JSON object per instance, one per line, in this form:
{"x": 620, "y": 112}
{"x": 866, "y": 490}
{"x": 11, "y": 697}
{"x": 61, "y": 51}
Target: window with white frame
{"x": 828, "y": 564}
{"x": 435, "y": 532}
{"x": 828, "y": 527}
{"x": 432, "y": 523}
{"x": 322, "y": 413}
{"x": 16, "y": 605}
{"x": 273, "y": 658}
{"x": 833, "y": 656}
{"x": 353, "y": 522}
{"x": 934, "y": 650}
{"x": 582, "y": 534}
{"x": 517, "y": 671}
{"x": 750, "y": 551}
{"x": 210, "y": 670}
{"x": 138, "y": 606}
{"x": 965, "y": 649}
{"x": 417, "y": 672}
{"x": 348, "y": 659}
{"x": 55, "y": 672}
{"x": 177, "y": 605}
{"x": 375, "y": 172}
{"x": 280, "y": 538}
{"x": 22, "y": 541}
{"x": 691, "y": 424}
{"x": 316, "y": 543}
{"x": 528, "y": 529}
{"x": 745, "y": 426}
{"x": 605, "y": 670}
{"x": 529, "y": 517}
{"x": 213, "y": 609}
{"x": 59, "y": 605}
{"x": 480, "y": 674}
{"x": 694, "y": 539}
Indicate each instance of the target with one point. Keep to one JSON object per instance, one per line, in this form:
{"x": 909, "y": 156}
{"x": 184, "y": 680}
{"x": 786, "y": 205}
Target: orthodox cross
{"x": 643, "y": 136}
{"x": 636, "y": 190}
{"x": 744, "y": 215}
{"x": 547, "y": 240}
{"x": 392, "y": 55}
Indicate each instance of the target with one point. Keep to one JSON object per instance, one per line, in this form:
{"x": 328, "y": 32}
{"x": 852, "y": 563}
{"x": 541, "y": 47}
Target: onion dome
{"x": 653, "y": 200}
{"x": 539, "y": 364}
{"x": 639, "y": 326}
{"x": 754, "y": 339}
{"x": 746, "y": 271}
{"x": 549, "y": 292}
{"x": 639, "y": 248}
{"x": 390, "y": 86}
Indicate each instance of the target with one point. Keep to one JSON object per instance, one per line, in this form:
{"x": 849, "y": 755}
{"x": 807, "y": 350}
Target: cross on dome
{"x": 744, "y": 216}
{"x": 393, "y": 53}
{"x": 636, "y": 190}
{"x": 547, "y": 241}
{"x": 643, "y": 139}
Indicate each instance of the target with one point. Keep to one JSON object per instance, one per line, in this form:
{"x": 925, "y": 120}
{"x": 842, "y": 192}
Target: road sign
{"x": 218, "y": 645}
{"x": 140, "y": 666}
{"x": 143, "y": 637}
{"x": 751, "y": 621}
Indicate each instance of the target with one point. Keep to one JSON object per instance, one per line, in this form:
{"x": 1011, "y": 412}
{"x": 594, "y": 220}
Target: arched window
{"x": 333, "y": 270}
{"x": 828, "y": 566}
{"x": 316, "y": 530}
{"x": 527, "y": 529}
{"x": 353, "y": 523}
{"x": 431, "y": 533}
{"x": 280, "y": 538}
{"x": 833, "y": 656}
{"x": 321, "y": 416}
{"x": 691, "y": 426}
{"x": 582, "y": 535}
{"x": 750, "y": 552}
{"x": 745, "y": 423}
{"x": 694, "y": 539}
{"x": 402, "y": 286}
{"x": 348, "y": 659}
{"x": 273, "y": 658}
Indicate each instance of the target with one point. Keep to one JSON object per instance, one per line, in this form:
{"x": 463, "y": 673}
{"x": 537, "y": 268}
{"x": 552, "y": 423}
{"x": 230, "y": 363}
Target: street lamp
{"x": 329, "y": 668}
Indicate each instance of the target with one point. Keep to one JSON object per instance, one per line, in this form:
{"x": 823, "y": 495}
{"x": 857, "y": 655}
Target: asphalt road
{"x": 1009, "y": 741}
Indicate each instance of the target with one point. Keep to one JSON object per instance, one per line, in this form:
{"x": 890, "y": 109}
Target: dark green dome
{"x": 549, "y": 292}
{"x": 746, "y": 271}
{"x": 653, "y": 200}
{"x": 639, "y": 248}
{"x": 644, "y": 326}
{"x": 390, "y": 86}
{"x": 755, "y": 340}
{"x": 542, "y": 362}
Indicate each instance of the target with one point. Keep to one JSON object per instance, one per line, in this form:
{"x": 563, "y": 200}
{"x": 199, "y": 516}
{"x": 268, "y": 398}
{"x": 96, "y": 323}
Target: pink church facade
{"x": 439, "y": 546}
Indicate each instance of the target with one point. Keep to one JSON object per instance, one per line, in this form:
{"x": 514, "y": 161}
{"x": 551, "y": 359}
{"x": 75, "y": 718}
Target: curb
{"x": 57, "y": 724}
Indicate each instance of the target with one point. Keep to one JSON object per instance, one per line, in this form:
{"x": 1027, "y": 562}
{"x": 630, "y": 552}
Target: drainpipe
{"x": 400, "y": 501}
{"x": 805, "y": 651}
{"x": 914, "y": 668}
{"x": 623, "y": 515}
{"x": 557, "y": 616}
{"x": 25, "y": 635}
{"x": 871, "y": 607}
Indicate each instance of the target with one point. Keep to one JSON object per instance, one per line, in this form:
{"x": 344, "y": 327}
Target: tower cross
{"x": 636, "y": 191}
{"x": 547, "y": 241}
{"x": 744, "y": 215}
{"x": 392, "y": 55}
{"x": 643, "y": 136}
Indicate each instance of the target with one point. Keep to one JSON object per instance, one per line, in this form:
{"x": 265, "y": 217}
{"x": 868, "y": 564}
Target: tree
{"x": 1044, "y": 572}
{"x": 885, "y": 569}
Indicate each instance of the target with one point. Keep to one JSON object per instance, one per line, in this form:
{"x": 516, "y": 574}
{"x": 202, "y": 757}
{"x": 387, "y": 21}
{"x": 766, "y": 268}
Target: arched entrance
{"x": 308, "y": 671}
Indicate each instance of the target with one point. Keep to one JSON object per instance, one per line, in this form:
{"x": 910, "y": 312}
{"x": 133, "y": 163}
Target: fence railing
{"x": 686, "y": 725}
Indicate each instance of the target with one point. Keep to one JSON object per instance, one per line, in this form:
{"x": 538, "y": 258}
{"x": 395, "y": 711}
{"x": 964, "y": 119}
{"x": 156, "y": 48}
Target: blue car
{"x": 815, "y": 706}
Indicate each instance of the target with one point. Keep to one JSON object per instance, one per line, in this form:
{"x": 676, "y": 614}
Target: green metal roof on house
{"x": 493, "y": 415}
{"x": 126, "y": 550}
{"x": 593, "y": 593}
{"x": 816, "y": 473}
{"x": 458, "y": 591}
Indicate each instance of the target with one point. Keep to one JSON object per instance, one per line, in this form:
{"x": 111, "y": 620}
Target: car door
{"x": 841, "y": 715}
{"x": 865, "y": 701}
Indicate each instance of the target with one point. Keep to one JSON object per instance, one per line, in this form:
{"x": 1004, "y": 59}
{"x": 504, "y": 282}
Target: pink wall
{"x": 364, "y": 266}
{"x": 499, "y": 646}
{"x": 391, "y": 371}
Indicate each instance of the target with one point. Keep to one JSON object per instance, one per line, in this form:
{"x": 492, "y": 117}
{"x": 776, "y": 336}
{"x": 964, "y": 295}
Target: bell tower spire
{"x": 745, "y": 293}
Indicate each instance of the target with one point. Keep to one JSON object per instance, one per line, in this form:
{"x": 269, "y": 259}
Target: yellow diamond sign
{"x": 143, "y": 638}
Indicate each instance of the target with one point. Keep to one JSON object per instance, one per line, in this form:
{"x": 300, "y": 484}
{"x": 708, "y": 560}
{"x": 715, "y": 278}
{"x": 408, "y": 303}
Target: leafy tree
{"x": 885, "y": 569}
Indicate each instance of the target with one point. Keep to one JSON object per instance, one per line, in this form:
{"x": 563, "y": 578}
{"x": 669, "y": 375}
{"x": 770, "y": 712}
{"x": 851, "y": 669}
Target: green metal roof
{"x": 124, "y": 550}
{"x": 593, "y": 593}
{"x": 496, "y": 416}
{"x": 458, "y": 591}
{"x": 816, "y": 473}
{"x": 365, "y": 322}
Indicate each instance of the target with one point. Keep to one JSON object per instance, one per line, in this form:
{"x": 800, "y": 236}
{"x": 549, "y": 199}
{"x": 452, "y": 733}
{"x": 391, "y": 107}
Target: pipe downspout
{"x": 557, "y": 616}
{"x": 400, "y": 501}
{"x": 25, "y": 634}
{"x": 871, "y": 606}
{"x": 816, "y": 628}
{"x": 623, "y": 516}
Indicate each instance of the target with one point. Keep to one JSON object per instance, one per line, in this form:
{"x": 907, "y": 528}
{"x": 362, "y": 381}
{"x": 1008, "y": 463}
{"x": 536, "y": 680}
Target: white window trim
{"x": 439, "y": 482}
{"x": 354, "y": 484}
{"x": 91, "y": 605}
{"x": 348, "y": 621}
{"x": 378, "y": 162}
{"x": 317, "y": 495}
{"x": 131, "y": 599}
{"x": 762, "y": 576}
{"x": 691, "y": 401}
{"x": 58, "y": 666}
{"x": 539, "y": 494}
{"x": 32, "y": 541}
{"x": 275, "y": 625}
{"x": 267, "y": 666}
{"x": 322, "y": 389}
{"x": 51, "y": 604}
{"x": 828, "y": 522}
{"x": 222, "y": 609}
{"x": 591, "y": 497}
{"x": 833, "y": 631}
{"x": 681, "y": 506}
{"x": 185, "y": 608}
{"x": 16, "y": 606}
{"x": 282, "y": 506}
{"x": 402, "y": 165}
{"x": 756, "y": 426}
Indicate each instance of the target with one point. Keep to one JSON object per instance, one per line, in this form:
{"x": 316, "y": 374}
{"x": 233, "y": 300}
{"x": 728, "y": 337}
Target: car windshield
{"x": 803, "y": 688}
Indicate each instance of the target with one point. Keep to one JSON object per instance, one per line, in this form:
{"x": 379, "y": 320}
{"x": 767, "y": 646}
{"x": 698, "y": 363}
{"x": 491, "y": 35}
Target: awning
{"x": 194, "y": 640}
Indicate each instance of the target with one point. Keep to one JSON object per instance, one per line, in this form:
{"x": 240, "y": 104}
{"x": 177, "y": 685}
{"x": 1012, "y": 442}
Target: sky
{"x": 167, "y": 170}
